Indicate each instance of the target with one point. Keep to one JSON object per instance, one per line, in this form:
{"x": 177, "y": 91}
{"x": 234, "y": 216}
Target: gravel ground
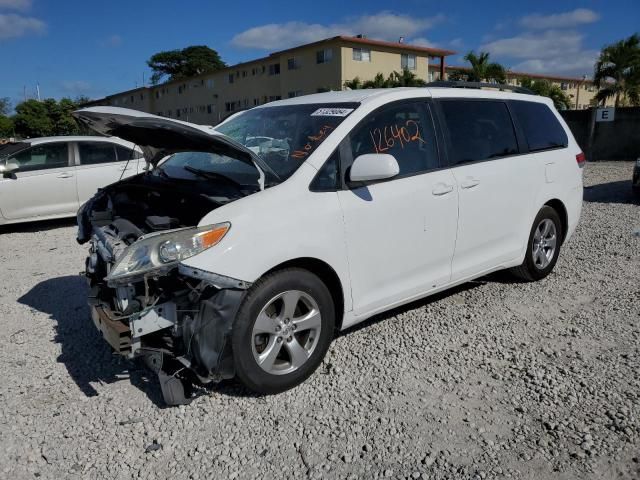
{"x": 492, "y": 380}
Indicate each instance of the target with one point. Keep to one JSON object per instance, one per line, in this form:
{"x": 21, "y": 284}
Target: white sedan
{"x": 50, "y": 177}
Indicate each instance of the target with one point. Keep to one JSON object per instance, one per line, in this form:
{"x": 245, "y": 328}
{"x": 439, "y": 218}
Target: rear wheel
{"x": 283, "y": 330}
{"x": 543, "y": 247}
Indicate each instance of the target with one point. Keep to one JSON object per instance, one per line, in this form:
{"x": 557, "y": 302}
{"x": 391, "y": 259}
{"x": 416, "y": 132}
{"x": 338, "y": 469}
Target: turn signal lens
{"x": 212, "y": 237}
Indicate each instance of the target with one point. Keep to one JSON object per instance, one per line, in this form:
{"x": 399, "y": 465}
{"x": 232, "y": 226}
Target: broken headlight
{"x": 163, "y": 251}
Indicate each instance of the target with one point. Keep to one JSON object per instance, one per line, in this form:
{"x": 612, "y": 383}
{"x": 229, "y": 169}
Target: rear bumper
{"x": 574, "y": 209}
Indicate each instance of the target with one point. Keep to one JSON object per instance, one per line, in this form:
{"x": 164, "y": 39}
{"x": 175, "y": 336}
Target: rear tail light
{"x": 581, "y": 159}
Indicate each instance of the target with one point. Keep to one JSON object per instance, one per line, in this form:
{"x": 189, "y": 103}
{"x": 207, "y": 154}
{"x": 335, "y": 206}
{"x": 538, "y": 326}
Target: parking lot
{"x": 495, "y": 379}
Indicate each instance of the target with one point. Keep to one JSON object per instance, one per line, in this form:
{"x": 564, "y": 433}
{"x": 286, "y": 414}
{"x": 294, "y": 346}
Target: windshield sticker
{"x": 314, "y": 141}
{"x": 332, "y": 112}
{"x": 385, "y": 138}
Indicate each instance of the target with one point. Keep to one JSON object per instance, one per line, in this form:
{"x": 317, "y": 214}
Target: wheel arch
{"x": 560, "y": 208}
{"x": 326, "y": 274}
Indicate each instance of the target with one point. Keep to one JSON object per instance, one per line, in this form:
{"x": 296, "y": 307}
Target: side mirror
{"x": 9, "y": 168}
{"x": 373, "y": 166}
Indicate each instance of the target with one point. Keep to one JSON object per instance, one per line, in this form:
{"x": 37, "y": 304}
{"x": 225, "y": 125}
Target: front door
{"x": 400, "y": 232}
{"x": 44, "y": 185}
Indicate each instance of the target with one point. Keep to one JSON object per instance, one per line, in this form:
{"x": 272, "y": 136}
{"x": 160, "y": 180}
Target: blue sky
{"x": 74, "y": 47}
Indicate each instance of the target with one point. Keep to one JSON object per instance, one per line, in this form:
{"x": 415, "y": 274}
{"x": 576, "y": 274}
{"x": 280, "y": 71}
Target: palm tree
{"x": 378, "y": 82}
{"x": 354, "y": 84}
{"x": 617, "y": 70}
{"x": 483, "y": 70}
{"x": 548, "y": 89}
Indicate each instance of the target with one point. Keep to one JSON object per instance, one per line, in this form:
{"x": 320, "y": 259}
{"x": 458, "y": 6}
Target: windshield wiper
{"x": 212, "y": 176}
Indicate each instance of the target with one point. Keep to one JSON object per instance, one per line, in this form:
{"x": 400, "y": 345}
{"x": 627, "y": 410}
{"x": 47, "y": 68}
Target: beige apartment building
{"x": 315, "y": 67}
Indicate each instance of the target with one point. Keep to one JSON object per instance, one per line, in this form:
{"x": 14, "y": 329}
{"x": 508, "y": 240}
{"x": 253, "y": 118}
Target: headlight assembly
{"x": 163, "y": 251}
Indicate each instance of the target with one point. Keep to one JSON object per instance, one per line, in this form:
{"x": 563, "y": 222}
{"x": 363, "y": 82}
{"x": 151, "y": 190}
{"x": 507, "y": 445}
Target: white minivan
{"x": 247, "y": 246}
{"x": 50, "y": 177}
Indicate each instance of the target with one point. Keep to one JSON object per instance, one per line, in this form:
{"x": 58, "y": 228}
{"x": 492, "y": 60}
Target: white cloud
{"x": 14, "y": 26}
{"x": 579, "y": 16}
{"x": 112, "y": 41}
{"x": 16, "y": 4}
{"x": 577, "y": 64}
{"x": 76, "y": 87}
{"x": 423, "y": 42}
{"x": 529, "y": 45}
{"x": 552, "y": 51}
{"x": 383, "y": 25}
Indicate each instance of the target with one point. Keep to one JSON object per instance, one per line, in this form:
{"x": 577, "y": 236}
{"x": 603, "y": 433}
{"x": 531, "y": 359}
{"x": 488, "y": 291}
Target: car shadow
{"x": 89, "y": 360}
{"x": 38, "y": 226}
{"x": 87, "y": 357}
{"x": 611, "y": 192}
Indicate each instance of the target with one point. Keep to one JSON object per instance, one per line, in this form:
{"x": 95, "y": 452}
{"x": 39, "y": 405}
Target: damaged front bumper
{"x": 179, "y": 320}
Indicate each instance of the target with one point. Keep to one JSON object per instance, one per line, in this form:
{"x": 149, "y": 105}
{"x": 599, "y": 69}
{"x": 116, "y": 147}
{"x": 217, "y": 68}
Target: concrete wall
{"x": 617, "y": 140}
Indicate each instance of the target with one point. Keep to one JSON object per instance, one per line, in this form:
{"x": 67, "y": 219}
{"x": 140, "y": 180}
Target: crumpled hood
{"x": 159, "y": 136}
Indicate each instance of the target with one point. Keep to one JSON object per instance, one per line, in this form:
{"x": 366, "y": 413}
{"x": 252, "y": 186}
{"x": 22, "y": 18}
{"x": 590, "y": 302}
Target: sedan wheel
{"x": 286, "y": 332}
{"x": 544, "y": 243}
{"x": 283, "y": 330}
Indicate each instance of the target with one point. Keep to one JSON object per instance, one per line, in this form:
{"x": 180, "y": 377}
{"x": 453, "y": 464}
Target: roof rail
{"x": 479, "y": 85}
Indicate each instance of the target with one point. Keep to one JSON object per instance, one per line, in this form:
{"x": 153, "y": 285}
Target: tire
{"x": 534, "y": 267}
{"x": 277, "y": 340}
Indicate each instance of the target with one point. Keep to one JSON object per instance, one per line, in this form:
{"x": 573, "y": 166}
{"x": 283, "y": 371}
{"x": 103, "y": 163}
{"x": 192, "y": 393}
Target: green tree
{"x": 617, "y": 71}
{"x": 484, "y": 70}
{"x": 406, "y": 78}
{"x": 32, "y": 119}
{"x": 354, "y": 84}
{"x": 190, "y": 61}
{"x": 6, "y": 126}
{"x": 378, "y": 82}
{"x": 548, "y": 89}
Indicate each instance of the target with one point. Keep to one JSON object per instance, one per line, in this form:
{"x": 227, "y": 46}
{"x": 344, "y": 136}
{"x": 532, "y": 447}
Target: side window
{"x": 42, "y": 157}
{"x": 404, "y": 130}
{"x": 92, "y": 153}
{"x": 478, "y": 130}
{"x": 326, "y": 180}
{"x": 541, "y": 127}
{"x": 125, "y": 153}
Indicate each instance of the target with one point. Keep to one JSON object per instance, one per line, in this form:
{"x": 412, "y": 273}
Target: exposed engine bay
{"x": 178, "y": 319}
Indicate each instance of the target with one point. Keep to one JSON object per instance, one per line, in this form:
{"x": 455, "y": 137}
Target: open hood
{"x": 158, "y": 136}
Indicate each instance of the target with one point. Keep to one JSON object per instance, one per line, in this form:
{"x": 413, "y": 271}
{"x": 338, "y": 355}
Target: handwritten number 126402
{"x": 385, "y": 138}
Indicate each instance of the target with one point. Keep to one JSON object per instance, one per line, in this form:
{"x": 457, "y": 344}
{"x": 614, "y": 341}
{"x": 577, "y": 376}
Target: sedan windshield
{"x": 284, "y": 136}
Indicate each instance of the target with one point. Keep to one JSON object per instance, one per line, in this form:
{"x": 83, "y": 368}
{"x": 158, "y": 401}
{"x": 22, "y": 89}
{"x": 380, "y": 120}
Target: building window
{"x": 157, "y": 94}
{"x": 273, "y": 98}
{"x": 131, "y": 98}
{"x": 230, "y": 106}
{"x": 177, "y": 113}
{"x": 210, "y": 83}
{"x": 564, "y": 86}
{"x": 274, "y": 69}
{"x": 256, "y": 101}
{"x": 231, "y": 78}
{"x": 244, "y": 73}
{"x": 362, "y": 54}
{"x": 324, "y": 56}
{"x": 264, "y": 68}
{"x": 253, "y": 71}
{"x": 294, "y": 94}
{"x": 408, "y": 61}
{"x": 293, "y": 64}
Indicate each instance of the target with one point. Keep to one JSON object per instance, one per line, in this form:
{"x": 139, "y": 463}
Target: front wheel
{"x": 282, "y": 331}
{"x": 543, "y": 247}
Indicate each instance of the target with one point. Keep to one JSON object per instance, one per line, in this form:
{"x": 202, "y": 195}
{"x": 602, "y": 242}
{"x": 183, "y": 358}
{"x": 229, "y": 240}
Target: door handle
{"x": 442, "y": 189}
{"x": 470, "y": 183}
{"x": 65, "y": 175}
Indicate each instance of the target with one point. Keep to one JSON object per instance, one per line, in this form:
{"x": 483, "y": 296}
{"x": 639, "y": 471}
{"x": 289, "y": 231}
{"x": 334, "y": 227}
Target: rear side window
{"x": 541, "y": 127}
{"x": 404, "y": 130}
{"x": 478, "y": 130}
{"x": 92, "y": 153}
{"x": 125, "y": 153}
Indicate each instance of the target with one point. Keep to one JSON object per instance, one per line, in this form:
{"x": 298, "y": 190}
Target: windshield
{"x": 210, "y": 166}
{"x": 283, "y": 137}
